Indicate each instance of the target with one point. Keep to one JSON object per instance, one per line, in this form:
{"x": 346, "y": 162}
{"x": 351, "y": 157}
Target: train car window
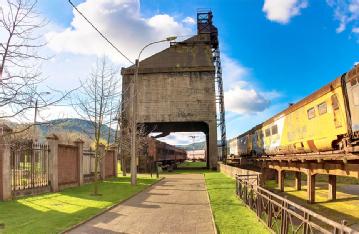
{"x": 267, "y": 132}
{"x": 335, "y": 102}
{"x": 274, "y": 129}
{"x": 311, "y": 113}
{"x": 322, "y": 108}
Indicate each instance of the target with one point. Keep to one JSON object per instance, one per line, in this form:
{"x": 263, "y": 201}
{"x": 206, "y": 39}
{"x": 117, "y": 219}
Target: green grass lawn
{"x": 230, "y": 213}
{"x": 188, "y": 164}
{"x": 54, "y": 212}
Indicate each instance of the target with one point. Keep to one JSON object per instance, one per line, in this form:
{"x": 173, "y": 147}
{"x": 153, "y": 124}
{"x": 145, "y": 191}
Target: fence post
{"x": 102, "y": 156}
{"x": 284, "y": 224}
{"x": 53, "y": 142}
{"x": 5, "y": 170}
{"x": 270, "y": 212}
{"x": 80, "y": 160}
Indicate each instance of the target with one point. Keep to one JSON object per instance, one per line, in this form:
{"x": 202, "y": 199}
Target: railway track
{"x": 320, "y": 156}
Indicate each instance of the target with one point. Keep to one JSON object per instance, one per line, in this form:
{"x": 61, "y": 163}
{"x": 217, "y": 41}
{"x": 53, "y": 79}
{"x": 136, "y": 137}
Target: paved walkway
{"x": 177, "y": 204}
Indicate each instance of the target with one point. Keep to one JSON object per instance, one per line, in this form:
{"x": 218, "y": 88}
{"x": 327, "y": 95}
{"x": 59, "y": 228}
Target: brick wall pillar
{"x": 102, "y": 165}
{"x": 53, "y": 142}
{"x": 80, "y": 148}
{"x": 5, "y": 177}
{"x": 115, "y": 158}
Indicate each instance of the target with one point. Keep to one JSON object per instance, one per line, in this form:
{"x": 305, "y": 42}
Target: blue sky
{"x": 274, "y": 51}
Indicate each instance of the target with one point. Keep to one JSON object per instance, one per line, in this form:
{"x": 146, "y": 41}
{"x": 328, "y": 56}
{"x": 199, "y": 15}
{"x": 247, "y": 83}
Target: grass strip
{"x": 54, "y": 212}
{"x": 230, "y": 213}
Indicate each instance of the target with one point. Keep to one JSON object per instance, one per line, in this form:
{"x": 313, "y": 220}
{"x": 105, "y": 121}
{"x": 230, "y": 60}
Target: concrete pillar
{"x": 5, "y": 170}
{"x": 212, "y": 145}
{"x": 53, "y": 142}
{"x": 80, "y": 157}
{"x": 311, "y": 187}
{"x": 281, "y": 175}
{"x": 102, "y": 156}
{"x": 298, "y": 181}
{"x": 332, "y": 193}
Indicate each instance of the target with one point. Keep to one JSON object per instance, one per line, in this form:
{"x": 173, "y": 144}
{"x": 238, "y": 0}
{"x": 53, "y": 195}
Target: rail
{"x": 282, "y": 215}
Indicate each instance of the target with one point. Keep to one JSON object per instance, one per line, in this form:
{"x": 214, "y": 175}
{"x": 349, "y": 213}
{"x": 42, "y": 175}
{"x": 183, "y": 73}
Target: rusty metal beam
{"x": 325, "y": 168}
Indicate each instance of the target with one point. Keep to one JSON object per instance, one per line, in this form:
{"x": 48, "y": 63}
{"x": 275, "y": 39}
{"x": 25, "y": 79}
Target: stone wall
{"x": 233, "y": 171}
{"x": 68, "y": 164}
{"x": 65, "y": 168}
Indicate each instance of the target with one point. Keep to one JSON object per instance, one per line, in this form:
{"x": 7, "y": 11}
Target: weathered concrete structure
{"x": 176, "y": 92}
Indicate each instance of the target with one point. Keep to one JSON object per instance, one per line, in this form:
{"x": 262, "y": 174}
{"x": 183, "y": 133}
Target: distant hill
{"x": 194, "y": 146}
{"x": 74, "y": 125}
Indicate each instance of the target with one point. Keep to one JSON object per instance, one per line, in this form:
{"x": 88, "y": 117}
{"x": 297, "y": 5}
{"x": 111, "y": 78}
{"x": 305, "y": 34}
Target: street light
{"x": 193, "y": 138}
{"x": 35, "y": 114}
{"x": 134, "y": 106}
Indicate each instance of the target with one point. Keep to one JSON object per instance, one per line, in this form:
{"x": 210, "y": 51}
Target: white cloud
{"x": 355, "y": 30}
{"x": 189, "y": 20}
{"x": 282, "y": 11}
{"x": 346, "y": 12}
{"x": 240, "y": 96}
{"x": 122, "y": 23}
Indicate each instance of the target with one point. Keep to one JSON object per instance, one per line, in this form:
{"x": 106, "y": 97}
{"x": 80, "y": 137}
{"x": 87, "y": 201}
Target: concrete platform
{"x": 177, "y": 204}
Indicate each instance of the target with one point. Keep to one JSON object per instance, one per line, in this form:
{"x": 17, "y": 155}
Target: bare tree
{"x": 95, "y": 98}
{"x": 20, "y": 73}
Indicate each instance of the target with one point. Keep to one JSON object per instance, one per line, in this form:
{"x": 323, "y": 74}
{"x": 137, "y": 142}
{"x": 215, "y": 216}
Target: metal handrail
{"x": 282, "y": 203}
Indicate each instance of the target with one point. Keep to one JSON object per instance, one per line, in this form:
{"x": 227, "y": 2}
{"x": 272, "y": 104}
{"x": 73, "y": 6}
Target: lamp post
{"x": 35, "y": 114}
{"x": 134, "y": 111}
{"x": 193, "y": 138}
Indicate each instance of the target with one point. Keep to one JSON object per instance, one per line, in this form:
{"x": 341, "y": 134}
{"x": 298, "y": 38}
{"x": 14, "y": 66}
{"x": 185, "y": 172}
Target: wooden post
{"x": 281, "y": 174}
{"x": 5, "y": 170}
{"x": 298, "y": 181}
{"x": 311, "y": 187}
{"x": 80, "y": 155}
{"x": 332, "y": 193}
{"x": 53, "y": 142}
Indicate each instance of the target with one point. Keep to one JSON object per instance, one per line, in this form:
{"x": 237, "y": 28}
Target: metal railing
{"x": 282, "y": 215}
{"x": 29, "y": 166}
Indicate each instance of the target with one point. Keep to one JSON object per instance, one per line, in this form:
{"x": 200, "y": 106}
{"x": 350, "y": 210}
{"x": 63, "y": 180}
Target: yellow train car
{"x": 326, "y": 120}
{"x": 316, "y": 123}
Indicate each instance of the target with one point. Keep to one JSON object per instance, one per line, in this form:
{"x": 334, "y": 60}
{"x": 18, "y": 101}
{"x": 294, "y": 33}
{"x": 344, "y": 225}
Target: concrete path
{"x": 177, "y": 204}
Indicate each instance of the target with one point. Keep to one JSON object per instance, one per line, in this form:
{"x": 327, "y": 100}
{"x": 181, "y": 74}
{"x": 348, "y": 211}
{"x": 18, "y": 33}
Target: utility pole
{"x": 193, "y": 138}
{"x": 134, "y": 111}
{"x": 35, "y": 115}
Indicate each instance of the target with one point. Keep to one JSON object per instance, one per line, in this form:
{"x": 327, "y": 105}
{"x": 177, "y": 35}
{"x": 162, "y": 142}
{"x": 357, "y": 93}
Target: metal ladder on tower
{"x": 221, "y": 122}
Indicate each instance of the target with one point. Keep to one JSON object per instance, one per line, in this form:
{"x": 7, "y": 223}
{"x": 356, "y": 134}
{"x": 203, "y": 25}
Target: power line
{"x": 103, "y": 36}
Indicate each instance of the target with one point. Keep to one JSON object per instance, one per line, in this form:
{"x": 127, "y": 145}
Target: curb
{"x": 110, "y": 208}
{"x": 210, "y": 206}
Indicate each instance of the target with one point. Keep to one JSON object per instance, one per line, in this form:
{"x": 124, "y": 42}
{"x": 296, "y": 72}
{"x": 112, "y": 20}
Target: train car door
{"x": 336, "y": 111}
{"x": 353, "y": 99}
